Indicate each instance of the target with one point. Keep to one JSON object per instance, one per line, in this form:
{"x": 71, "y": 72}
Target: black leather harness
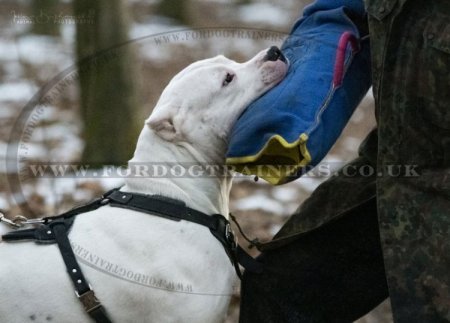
{"x": 55, "y": 229}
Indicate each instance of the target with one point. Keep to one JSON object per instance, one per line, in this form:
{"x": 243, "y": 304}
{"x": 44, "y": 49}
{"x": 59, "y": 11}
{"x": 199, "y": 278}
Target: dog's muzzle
{"x": 274, "y": 54}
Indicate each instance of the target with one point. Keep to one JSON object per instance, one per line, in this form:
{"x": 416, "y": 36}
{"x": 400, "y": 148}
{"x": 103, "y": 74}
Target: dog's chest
{"x": 133, "y": 242}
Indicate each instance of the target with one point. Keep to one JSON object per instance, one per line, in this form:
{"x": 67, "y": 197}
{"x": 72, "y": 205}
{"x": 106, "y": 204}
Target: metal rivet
{"x": 79, "y": 281}
{"x": 430, "y": 36}
{"x": 49, "y": 232}
{"x": 382, "y": 9}
{"x": 74, "y": 270}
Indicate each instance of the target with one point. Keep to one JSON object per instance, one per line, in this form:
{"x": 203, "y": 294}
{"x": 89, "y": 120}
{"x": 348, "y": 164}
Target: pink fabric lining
{"x": 339, "y": 65}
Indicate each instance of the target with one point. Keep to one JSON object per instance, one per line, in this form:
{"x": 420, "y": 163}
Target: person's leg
{"x": 334, "y": 273}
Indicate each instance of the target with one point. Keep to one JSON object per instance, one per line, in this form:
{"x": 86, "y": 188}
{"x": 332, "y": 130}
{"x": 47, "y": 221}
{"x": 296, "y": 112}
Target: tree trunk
{"x": 44, "y": 13}
{"x": 175, "y": 9}
{"x": 107, "y": 84}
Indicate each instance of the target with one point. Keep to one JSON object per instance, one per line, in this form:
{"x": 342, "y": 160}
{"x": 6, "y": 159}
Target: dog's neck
{"x": 156, "y": 167}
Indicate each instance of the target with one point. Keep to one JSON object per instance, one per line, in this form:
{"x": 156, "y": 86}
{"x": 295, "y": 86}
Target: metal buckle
{"x": 89, "y": 300}
{"x": 8, "y": 221}
{"x": 19, "y": 221}
{"x": 104, "y": 201}
{"x": 229, "y": 235}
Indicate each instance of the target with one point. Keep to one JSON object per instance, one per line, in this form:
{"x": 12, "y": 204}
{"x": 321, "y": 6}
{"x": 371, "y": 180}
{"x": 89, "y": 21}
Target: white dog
{"x": 145, "y": 268}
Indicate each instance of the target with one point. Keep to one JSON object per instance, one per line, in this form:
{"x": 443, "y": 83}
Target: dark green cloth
{"x": 410, "y": 151}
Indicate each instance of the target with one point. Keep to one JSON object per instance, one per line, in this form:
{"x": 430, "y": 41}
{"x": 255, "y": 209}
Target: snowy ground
{"x": 29, "y": 62}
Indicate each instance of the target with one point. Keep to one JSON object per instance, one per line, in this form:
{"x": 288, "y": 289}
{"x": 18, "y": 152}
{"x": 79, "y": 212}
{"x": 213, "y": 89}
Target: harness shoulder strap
{"x": 176, "y": 210}
{"x": 41, "y": 233}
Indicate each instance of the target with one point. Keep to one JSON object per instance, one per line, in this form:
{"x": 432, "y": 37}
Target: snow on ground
{"x": 285, "y": 193}
{"x": 21, "y": 91}
{"x": 263, "y": 13}
{"x": 152, "y": 25}
{"x": 258, "y": 202}
{"x": 45, "y": 50}
{"x": 8, "y": 51}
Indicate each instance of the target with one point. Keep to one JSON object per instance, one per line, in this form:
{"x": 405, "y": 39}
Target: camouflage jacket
{"x": 410, "y": 49}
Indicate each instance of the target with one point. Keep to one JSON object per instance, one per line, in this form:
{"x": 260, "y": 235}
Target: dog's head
{"x": 203, "y": 101}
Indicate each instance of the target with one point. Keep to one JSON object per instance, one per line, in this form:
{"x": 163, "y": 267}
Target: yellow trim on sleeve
{"x": 276, "y": 161}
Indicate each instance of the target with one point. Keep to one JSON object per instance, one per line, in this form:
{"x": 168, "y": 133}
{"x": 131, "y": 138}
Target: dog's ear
{"x": 162, "y": 123}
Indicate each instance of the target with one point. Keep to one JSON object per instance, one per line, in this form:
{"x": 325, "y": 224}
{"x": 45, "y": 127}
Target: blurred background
{"x": 78, "y": 77}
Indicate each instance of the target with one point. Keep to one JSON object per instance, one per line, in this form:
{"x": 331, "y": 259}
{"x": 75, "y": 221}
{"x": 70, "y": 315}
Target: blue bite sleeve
{"x": 296, "y": 123}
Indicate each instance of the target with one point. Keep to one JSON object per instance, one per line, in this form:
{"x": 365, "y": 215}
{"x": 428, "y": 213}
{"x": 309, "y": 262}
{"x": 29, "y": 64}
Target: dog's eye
{"x": 228, "y": 78}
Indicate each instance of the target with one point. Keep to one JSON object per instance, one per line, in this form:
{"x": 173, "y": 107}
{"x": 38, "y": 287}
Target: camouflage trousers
{"x": 326, "y": 264}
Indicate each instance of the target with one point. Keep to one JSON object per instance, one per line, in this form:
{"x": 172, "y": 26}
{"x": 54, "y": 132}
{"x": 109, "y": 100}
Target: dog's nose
{"x": 273, "y": 54}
